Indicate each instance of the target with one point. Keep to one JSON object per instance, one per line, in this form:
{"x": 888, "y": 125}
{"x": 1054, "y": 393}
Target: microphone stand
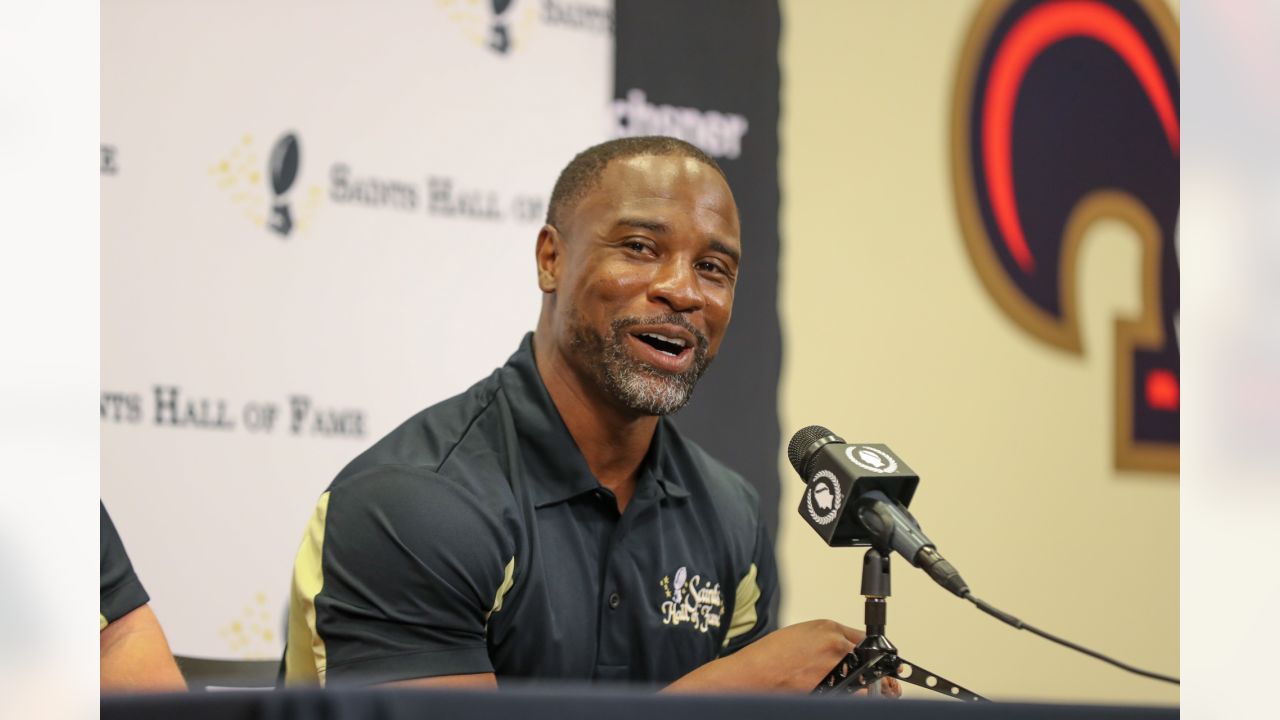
{"x": 875, "y": 657}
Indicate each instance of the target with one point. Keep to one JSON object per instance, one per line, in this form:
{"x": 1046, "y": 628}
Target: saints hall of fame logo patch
{"x": 691, "y": 600}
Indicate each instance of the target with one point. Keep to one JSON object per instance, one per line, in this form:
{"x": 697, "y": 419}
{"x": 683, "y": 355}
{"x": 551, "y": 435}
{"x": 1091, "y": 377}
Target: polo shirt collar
{"x": 554, "y": 466}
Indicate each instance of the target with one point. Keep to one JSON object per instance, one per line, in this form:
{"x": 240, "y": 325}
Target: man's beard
{"x": 637, "y": 384}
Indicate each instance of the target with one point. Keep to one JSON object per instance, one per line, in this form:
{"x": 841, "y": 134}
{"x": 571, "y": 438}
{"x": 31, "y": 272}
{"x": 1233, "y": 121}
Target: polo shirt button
{"x": 614, "y": 601}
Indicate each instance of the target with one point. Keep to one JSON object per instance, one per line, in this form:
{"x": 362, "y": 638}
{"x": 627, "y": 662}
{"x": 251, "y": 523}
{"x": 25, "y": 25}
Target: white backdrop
{"x": 242, "y": 368}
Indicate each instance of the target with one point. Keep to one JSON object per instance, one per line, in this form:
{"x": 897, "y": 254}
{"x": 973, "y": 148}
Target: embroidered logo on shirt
{"x": 691, "y": 600}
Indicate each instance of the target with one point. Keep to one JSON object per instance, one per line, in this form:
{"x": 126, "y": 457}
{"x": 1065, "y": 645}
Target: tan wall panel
{"x": 890, "y": 337}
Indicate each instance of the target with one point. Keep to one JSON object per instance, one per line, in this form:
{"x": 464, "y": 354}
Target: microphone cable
{"x": 1015, "y": 622}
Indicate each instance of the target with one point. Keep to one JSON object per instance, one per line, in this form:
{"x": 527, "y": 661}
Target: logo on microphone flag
{"x": 823, "y": 497}
{"x": 869, "y": 458}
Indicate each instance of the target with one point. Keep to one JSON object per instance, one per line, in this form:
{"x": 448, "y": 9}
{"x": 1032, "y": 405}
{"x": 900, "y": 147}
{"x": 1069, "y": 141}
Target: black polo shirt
{"x": 119, "y": 590}
{"x": 474, "y": 538}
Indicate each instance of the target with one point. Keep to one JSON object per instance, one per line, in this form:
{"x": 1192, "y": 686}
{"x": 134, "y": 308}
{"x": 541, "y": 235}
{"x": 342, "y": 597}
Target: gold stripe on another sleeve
{"x": 305, "y": 655}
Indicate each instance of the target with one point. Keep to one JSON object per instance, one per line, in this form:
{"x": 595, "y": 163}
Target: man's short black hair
{"x": 583, "y": 171}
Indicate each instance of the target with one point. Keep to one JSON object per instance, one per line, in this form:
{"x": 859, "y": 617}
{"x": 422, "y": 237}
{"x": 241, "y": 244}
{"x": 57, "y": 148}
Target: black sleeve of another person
{"x": 120, "y": 592}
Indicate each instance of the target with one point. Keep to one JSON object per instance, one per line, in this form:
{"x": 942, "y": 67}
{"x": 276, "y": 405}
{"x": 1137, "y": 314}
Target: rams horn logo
{"x": 1066, "y": 112}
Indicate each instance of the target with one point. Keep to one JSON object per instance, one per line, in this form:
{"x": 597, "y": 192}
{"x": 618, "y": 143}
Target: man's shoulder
{"x": 428, "y": 439}
{"x": 438, "y": 482}
{"x": 458, "y": 438}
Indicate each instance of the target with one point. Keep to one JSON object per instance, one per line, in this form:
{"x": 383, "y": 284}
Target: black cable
{"x": 1015, "y": 622}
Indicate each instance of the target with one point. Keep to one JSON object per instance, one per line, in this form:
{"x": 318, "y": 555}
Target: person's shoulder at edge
{"x": 442, "y": 462}
{"x": 429, "y": 441}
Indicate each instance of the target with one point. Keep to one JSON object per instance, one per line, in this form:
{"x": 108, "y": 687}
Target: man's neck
{"x": 613, "y": 440}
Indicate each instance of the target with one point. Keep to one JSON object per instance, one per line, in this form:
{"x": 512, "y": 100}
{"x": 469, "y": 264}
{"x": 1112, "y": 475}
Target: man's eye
{"x": 636, "y": 245}
{"x": 711, "y": 267}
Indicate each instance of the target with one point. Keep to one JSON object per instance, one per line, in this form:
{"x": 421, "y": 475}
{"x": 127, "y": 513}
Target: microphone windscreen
{"x": 801, "y": 441}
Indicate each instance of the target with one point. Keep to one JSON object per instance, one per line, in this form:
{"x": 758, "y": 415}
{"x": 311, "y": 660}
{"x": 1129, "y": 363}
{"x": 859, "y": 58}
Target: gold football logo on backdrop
{"x": 265, "y": 187}
{"x": 1066, "y": 112}
{"x": 497, "y": 25}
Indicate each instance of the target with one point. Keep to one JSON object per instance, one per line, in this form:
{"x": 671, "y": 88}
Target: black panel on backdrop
{"x": 708, "y": 72}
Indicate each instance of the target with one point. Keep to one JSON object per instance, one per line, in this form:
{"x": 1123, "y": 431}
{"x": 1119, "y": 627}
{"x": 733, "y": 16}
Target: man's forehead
{"x": 658, "y": 181}
{"x": 660, "y": 173}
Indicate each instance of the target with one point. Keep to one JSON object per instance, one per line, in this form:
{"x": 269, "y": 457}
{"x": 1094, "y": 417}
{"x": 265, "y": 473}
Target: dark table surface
{"x": 574, "y": 702}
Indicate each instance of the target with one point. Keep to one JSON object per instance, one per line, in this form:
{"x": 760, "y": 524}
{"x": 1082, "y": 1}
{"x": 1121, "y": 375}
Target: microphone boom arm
{"x": 875, "y": 657}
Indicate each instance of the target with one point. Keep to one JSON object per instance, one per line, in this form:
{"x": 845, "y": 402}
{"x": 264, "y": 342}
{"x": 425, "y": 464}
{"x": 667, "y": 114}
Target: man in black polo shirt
{"x": 551, "y": 522}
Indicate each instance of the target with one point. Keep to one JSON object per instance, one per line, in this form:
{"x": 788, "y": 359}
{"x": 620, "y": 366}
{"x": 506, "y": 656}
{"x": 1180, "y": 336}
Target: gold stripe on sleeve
{"x": 102, "y": 622}
{"x": 305, "y": 654}
{"x": 744, "y": 606}
{"x": 508, "y": 579}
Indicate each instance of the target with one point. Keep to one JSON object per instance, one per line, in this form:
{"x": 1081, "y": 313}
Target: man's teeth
{"x": 664, "y": 338}
{"x": 663, "y": 344}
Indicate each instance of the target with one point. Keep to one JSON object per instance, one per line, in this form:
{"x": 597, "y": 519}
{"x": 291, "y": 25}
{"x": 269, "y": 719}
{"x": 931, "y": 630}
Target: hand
{"x": 889, "y": 688}
{"x": 792, "y": 659}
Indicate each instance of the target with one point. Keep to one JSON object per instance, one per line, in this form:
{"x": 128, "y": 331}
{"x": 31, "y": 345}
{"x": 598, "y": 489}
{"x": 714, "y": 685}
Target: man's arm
{"x": 477, "y": 681}
{"x": 793, "y": 659}
{"x": 395, "y": 580}
{"x": 134, "y": 655}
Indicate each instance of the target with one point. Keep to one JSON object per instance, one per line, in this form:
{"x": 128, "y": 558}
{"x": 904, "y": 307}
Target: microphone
{"x": 857, "y": 495}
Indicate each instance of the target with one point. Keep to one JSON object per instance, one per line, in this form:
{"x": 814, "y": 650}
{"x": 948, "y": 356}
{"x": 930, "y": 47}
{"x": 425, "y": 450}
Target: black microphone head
{"x": 801, "y": 447}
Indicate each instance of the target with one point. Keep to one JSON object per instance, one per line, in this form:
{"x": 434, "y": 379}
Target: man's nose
{"x": 677, "y": 285}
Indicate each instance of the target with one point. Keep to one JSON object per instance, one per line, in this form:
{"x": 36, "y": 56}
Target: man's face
{"x": 644, "y": 287}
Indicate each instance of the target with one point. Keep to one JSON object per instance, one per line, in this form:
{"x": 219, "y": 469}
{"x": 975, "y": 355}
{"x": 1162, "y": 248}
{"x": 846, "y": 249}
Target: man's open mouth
{"x": 669, "y": 345}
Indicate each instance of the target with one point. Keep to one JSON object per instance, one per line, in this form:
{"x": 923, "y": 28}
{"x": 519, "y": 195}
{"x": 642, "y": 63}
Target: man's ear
{"x": 549, "y": 252}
